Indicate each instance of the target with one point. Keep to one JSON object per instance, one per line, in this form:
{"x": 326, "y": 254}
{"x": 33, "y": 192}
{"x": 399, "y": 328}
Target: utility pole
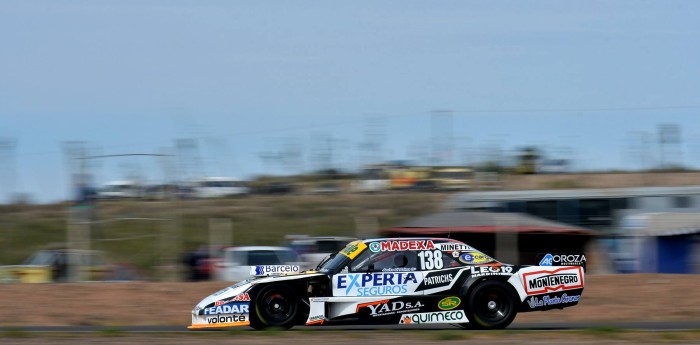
{"x": 8, "y": 174}
{"x": 441, "y": 134}
{"x": 669, "y": 139}
{"x": 169, "y": 232}
{"x": 80, "y": 214}
{"x": 191, "y": 165}
{"x": 78, "y": 226}
{"x": 371, "y": 147}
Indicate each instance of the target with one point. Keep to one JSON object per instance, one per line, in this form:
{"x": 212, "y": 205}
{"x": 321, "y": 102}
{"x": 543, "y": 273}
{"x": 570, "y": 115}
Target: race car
{"x": 400, "y": 281}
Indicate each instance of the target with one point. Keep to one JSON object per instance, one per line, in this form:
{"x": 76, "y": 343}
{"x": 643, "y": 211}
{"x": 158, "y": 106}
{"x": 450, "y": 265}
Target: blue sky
{"x": 248, "y": 77}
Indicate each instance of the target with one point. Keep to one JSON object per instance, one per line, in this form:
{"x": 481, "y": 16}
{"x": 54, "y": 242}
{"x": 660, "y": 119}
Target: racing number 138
{"x": 430, "y": 260}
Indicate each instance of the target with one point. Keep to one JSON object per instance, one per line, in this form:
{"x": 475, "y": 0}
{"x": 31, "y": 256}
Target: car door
{"x": 380, "y": 273}
{"x": 440, "y": 270}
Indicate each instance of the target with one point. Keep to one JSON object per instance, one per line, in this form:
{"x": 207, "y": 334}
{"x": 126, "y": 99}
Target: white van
{"x": 372, "y": 180}
{"x": 121, "y": 190}
{"x": 237, "y": 261}
{"x": 218, "y": 187}
{"x": 312, "y": 250}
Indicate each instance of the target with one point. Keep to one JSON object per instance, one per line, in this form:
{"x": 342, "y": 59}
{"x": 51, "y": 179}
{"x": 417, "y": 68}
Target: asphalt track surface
{"x": 647, "y": 326}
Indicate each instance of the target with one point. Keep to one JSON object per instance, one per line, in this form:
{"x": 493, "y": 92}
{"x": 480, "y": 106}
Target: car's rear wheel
{"x": 275, "y": 306}
{"x": 492, "y": 304}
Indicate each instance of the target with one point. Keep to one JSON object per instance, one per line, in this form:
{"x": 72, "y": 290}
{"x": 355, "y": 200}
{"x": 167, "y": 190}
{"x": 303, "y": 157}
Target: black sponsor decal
{"x": 479, "y": 271}
{"x": 438, "y": 279}
{"x": 392, "y": 307}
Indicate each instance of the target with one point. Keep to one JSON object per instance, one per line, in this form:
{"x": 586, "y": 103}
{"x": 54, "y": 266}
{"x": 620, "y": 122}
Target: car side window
{"x": 394, "y": 261}
{"x": 429, "y": 260}
{"x": 449, "y": 260}
{"x": 361, "y": 262}
{"x": 397, "y": 261}
{"x": 236, "y": 258}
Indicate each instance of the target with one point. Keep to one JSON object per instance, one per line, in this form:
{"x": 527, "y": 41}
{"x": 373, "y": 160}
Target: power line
{"x": 577, "y": 110}
{"x": 422, "y": 113}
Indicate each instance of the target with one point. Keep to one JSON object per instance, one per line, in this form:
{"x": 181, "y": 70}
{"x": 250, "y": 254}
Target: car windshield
{"x": 457, "y": 175}
{"x": 335, "y": 263}
{"x": 40, "y": 258}
{"x": 270, "y": 257}
{"x": 340, "y": 259}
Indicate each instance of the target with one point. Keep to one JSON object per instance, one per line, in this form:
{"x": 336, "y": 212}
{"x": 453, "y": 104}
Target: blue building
{"x": 659, "y": 243}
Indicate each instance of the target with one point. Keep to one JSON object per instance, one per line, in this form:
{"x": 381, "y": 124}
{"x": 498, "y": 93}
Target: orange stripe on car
{"x": 220, "y": 325}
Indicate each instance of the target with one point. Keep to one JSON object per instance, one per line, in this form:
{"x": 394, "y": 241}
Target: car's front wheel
{"x": 275, "y": 306}
{"x": 491, "y": 305}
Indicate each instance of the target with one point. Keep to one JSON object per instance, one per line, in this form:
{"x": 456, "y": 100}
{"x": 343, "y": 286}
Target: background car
{"x": 202, "y": 262}
{"x": 276, "y": 188}
{"x": 237, "y": 261}
{"x": 327, "y": 188}
{"x": 126, "y": 189}
{"x": 312, "y": 250}
{"x": 218, "y": 187}
{"x": 53, "y": 266}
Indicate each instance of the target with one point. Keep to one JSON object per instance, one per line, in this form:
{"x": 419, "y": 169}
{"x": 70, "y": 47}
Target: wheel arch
{"x": 472, "y": 282}
{"x": 298, "y": 286}
{"x": 468, "y": 293}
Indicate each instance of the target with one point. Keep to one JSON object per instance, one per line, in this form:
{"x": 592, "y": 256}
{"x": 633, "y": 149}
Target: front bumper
{"x": 229, "y": 307}
{"x": 219, "y": 321}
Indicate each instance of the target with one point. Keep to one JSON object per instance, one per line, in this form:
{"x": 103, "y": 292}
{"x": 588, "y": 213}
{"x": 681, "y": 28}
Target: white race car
{"x": 393, "y": 281}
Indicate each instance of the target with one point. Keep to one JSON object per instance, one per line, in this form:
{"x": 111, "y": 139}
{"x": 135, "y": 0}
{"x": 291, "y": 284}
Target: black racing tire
{"x": 255, "y": 322}
{"x": 492, "y": 304}
{"x": 275, "y": 306}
